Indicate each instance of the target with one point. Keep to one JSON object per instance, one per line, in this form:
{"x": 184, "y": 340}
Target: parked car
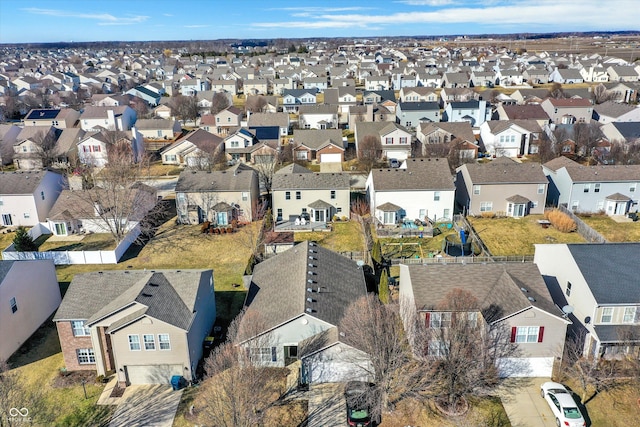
{"x": 394, "y": 163}
{"x": 358, "y": 397}
{"x": 562, "y": 405}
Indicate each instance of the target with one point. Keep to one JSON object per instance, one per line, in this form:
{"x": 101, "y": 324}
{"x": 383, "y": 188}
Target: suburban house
{"x": 377, "y": 83}
{"x": 78, "y": 211}
{"x": 447, "y": 133}
{"x": 94, "y": 147}
{"x": 424, "y": 190}
{"x": 324, "y": 146}
{"x": 522, "y": 112}
{"x": 61, "y": 119}
{"x": 600, "y": 284}
{"x": 621, "y": 73}
{"x": 318, "y": 116}
{"x": 32, "y": 145}
{"x": 395, "y": 140}
{"x": 151, "y": 97}
{"x": 474, "y": 112}
{"x": 568, "y": 110}
{"x": 501, "y": 187}
{"x": 196, "y": 149}
{"x": 8, "y": 135}
{"x": 320, "y": 195}
{"x": 29, "y": 294}
{"x": 625, "y": 132}
{"x": 418, "y": 94}
{"x": 292, "y": 99}
{"x": 107, "y": 118}
{"x": 244, "y": 146}
{"x": 566, "y": 76}
{"x": 299, "y": 304}
{"x": 609, "y": 111}
{"x": 411, "y": 114}
{"x": 159, "y": 129}
{"x": 227, "y": 119}
{"x": 612, "y": 189}
{"x": 510, "y": 138}
{"x": 511, "y": 297}
{"x": 27, "y": 197}
{"x": 144, "y": 325}
{"x": 218, "y": 196}
{"x": 258, "y": 120}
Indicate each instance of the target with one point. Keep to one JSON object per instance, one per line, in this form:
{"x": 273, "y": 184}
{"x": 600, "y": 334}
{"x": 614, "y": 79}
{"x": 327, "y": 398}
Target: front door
{"x": 6, "y": 219}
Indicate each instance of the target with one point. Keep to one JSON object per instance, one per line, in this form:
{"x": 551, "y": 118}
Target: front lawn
{"x": 345, "y": 237}
{"x": 613, "y": 231}
{"x": 516, "y": 236}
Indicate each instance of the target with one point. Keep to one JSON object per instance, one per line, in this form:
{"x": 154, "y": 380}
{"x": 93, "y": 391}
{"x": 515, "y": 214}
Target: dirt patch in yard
{"x": 70, "y": 379}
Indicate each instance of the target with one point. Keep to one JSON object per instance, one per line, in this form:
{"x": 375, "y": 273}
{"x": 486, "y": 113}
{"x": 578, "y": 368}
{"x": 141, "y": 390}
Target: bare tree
{"x": 219, "y": 102}
{"x": 376, "y": 329}
{"x": 556, "y": 91}
{"x": 237, "y": 391}
{"x": 47, "y": 148}
{"x": 369, "y": 152}
{"x": 266, "y": 168}
{"x": 18, "y": 403}
{"x": 285, "y": 153}
{"x": 546, "y": 148}
{"x": 602, "y": 94}
{"x": 141, "y": 108}
{"x": 256, "y": 104}
{"x": 586, "y": 136}
{"x": 185, "y": 108}
{"x": 114, "y": 196}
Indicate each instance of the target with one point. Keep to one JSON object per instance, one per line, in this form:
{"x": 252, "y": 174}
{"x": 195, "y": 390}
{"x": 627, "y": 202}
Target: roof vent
{"x": 532, "y": 299}
{"x": 525, "y": 290}
{"x": 313, "y": 258}
{"x": 311, "y": 281}
{"x": 310, "y": 290}
{"x": 311, "y": 273}
{"x": 154, "y": 284}
{"x": 310, "y": 300}
{"x": 144, "y": 294}
{"x": 312, "y": 265}
{"x": 309, "y": 310}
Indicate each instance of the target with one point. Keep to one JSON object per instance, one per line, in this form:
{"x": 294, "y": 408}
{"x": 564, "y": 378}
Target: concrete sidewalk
{"x": 147, "y": 405}
{"x": 524, "y": 405}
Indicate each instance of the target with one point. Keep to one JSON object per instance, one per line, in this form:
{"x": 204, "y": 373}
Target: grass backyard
{"x": 345, "y": 237}
{"x": 613, "y": 231}
{"x": 88, "y": 242}
{"x": 516, "y": 236}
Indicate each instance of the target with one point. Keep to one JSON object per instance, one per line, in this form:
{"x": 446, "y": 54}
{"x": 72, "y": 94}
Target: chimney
{"x": 97, "y": 208}
{"x": 112, "y": 120}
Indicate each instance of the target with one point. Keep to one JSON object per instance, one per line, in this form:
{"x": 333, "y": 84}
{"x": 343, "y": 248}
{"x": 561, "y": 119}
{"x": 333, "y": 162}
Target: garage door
{"x": 400, "y": 155}
{"x": 333, "y": 158}
{"x": 526, "y": 367}
{"x": 152, "y": 374}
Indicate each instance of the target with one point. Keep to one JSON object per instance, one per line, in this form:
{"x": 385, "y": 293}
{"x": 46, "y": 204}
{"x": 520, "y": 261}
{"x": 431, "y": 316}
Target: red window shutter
{"x": 427, "y": 319}
{"x": 513, "y": 334}
{"x": 540, "y": 333}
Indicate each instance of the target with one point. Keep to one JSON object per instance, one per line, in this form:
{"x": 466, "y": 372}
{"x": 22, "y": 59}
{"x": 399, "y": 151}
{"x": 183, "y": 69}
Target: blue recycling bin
{"x": 178, "y": 382}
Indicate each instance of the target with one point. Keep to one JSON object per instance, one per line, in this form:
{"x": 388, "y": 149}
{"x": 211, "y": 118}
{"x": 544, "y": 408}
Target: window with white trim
{"x": 476, "y": 189}
{"x": 596, "y": 188}
{"x": 333, "y": 194}
{"x": 440, "y": 320}
{"x": 245, "y": 196}
{"x": 587, "y": 187}
{"x": 134, "y": 342}
{"x": 85, "y": 356}
{"x": 607, "y": 315}
{"x": 287, "y": 195}
{"x": 163, "y": 342}
{"x": 149, "y": 342}
{"x": 263, "y": 354}
{"x": 436, "y": 196}
{"x": 527, "y": 334}
{"x": 541, "y": 188}
{"x": 568, "y": 291}
{"x": 629, "y": 315}
{"x": 632, "y": 187}
{"x": 486, "y": 206}
{"x": 13, "y": 304}
{"x": 79, "y": 329}
{"x": 298, "y": 195}
{"x": 437, "y": 348}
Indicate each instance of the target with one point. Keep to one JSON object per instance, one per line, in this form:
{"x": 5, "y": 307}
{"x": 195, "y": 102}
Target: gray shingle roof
{"x": 309, "y": 181}
{"x": 600, "y": 173}
{"x": 505, "y": 171}
{"x": 21, "y": 182}
{"x": 497, "y": 287}
{"x": 611, "y": 271}
{"x": 617, "y": 333}
{"x": 278, "y": 290}
{"x": 315, "y": 139}
{"x": 237, "y": 178}
{"x": 5, "y": 266}
{"x": 420, "y": 174}
{"x": 293, "y": 168}
{"x": 91, "y": 296}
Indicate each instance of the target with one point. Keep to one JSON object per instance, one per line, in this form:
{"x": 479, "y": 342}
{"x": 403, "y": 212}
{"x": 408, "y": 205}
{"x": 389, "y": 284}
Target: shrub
{"x": 234, "y": 223}
{"x": 344, "y": 218}
{"x": 205, "y": 226}
{"x": 336, "y": 218}
{"x": 488, "y": 214}
{"x": 23, "y": 241}
{"x": 561, "y": 221}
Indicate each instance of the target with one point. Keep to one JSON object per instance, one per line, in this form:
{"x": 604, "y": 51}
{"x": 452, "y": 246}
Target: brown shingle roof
{"x": 420, "y": 174}
{"x": 505, "y": 171}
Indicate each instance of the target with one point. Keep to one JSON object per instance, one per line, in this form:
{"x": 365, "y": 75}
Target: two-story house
{"x": 568, "y": 111}
{"x": 110, "y": 118}
{"x": 144, "y": 325}
{"x": 599, "y": 283}
{"x": 318, "y": 116}
{"x": 27, "y": 197}
{"x": 319, "y": 195}
{"x": 292, "y": 99}
{"x": 510, "y": 299}
{"x": 474, "y": 112}
{"x": 217, "y": 196}
{"x": 503, "y": 187}
{"x": 395, "y": 140}
{"x": 423, "y": 190}
{"x": 61, "y": 119}
{"x": 509, "y": 138}
{"x": 227, "y": 119}
{"x": 411, "y": 114}
{"x": 612, "y": 189}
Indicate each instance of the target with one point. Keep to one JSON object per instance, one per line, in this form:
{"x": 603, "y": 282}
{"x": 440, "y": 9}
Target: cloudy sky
{"x": 98, "y": 20}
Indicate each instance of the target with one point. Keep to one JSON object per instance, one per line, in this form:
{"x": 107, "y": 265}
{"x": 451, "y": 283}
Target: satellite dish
{"x": 567, "y": 309}
{"x": 587, "y": 320}
{"x": 305, "y": 321}
{"x": 360, "y": 263}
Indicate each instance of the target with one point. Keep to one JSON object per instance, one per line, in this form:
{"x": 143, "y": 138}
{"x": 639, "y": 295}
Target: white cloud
{"x": 103, "y": 18}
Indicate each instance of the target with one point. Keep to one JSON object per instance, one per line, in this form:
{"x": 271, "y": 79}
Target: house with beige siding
{"x": 27, "y": 197}
{"x": 501, "y": 187}
{"x": 511, "y": 298}
{"x": 144, "y": 325}
{"x": 600, "y": 284}
{"x": 29, "y": 294}
{"x": 320, "y": 195}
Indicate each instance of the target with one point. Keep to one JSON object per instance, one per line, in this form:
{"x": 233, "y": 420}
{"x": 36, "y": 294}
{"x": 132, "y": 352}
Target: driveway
{"x": 327, "y": 407}
{"x": 524, "y": 406}
{"x": 147, "y": 405}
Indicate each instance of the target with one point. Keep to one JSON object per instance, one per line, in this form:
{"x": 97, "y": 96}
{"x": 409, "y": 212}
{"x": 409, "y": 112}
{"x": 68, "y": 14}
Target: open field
{"x": 614, "y": 231}
{"x": 516, "y": 236}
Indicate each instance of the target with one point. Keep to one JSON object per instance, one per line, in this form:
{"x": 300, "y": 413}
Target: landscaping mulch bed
{"x": 75, "y": 378}
{"x": 117, "y": 391}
